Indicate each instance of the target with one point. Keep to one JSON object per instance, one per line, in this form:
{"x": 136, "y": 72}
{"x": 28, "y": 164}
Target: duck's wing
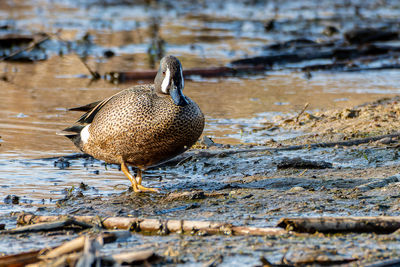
{"x": 92, "y": 109}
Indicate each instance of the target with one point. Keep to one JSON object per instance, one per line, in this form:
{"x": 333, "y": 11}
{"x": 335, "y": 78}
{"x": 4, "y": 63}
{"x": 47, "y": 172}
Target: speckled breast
{"x": 143, "y": 129}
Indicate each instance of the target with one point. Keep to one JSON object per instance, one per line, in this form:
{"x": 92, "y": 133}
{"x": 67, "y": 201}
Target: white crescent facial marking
{"x": 165, "y": 82}
{"x": 85, "y": 134}
{"x": 183, "y": 81}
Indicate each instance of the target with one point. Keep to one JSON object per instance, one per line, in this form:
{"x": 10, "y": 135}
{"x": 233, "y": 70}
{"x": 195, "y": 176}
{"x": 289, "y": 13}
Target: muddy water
{"x": 35, "y": 97}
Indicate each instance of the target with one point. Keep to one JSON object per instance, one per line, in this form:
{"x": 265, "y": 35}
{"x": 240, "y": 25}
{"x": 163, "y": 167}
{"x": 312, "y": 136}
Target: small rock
{"x": 299, "y": 163}
{"x": 108, "y": 53}
{"x": 314, "y": 256}
{"x": 386, "y": 140}
{"x": 214, "y": 261}
{"x": 307, "y": 75}
{"x": 350, "y": 113}
{"x": 296, "y": 189}
{"x": 247, "y": 196}
{"x": 83, "y": 186}
{"x": 269, "y": 25}
{"x": 207, "y": 141}
{"x": 330, "y": 30}
{"x": 185, "y": 195}
{"x": 61, "y": 163}
{"x": 11, "y": 199}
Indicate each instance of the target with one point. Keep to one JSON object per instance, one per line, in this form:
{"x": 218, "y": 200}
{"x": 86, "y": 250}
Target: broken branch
{"x": 47, "y": 226}
{"x": 382, "y": 224}
{"x": 155, "y": 225}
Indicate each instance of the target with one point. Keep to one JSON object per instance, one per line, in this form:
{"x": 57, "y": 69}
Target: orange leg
{"x": 139, "y": 183}
{"x": 125, "y": 170}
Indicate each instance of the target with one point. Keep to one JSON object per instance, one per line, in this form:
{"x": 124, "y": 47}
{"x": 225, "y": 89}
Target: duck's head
{"x": 169, "y": 80}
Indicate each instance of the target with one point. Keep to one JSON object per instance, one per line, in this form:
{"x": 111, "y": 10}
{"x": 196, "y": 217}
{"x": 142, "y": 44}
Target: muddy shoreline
{"x": 250, "y": 189}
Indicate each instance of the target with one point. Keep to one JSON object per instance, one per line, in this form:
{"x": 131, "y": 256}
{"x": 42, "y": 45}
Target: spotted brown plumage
{"x": 141, "y": 126}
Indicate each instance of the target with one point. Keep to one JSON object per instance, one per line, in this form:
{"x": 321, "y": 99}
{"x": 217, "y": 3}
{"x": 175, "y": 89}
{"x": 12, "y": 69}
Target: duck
{"x": 142, "y": 126}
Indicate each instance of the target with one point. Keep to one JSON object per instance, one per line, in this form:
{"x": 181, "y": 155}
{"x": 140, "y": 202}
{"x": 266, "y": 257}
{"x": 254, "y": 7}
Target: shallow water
{"x": 35, "y": 97}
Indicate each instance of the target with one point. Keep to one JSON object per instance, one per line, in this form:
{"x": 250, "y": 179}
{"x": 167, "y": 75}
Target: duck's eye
{"x": 163, "y": 73}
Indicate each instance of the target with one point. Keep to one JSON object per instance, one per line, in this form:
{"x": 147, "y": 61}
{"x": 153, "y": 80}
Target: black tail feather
{"x": 75, "y": 135}
{"x": 85, "y": 108}
{"x": 75, "y": 129}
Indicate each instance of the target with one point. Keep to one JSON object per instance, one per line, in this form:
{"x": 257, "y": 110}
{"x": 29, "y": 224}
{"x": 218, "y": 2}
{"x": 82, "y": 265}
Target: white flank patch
{"x": 183, "y": 81}
{"x": 85, "y": 134}
{"x": 165, "y": 82}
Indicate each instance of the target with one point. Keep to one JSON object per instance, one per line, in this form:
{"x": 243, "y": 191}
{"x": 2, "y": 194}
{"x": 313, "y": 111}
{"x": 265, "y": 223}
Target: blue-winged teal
{"x": 141, "y": 126}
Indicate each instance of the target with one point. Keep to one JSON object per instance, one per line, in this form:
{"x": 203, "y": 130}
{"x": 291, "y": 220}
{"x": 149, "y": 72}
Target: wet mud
{"x": 250, "y": 189}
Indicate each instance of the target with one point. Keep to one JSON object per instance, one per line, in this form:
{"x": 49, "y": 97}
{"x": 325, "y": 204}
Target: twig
{"x": 154, "y": 225}
{"x": 301, "y": 112}
{"x": 382, "y": 224}
{"x": 46, "y": 226}
{"x": 95, "y": 74}
{"x": 32, "y": 45}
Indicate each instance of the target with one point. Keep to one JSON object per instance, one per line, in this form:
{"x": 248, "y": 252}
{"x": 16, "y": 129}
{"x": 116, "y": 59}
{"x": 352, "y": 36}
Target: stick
{"x": 46, "y": 226}
{"x": 301, "y": 112}
{"x": 204, "y": 72}
{"x": 78, "y": 243}
{"x": 60, "y": 254}
{"x": 21, "y": 259}
{"x": 166, "y": 226}
{"x": 382, "y": 224}
{"x": 35, "y": 43}
{"x": 134, "y": 257}
{"x": 67, "y": 247}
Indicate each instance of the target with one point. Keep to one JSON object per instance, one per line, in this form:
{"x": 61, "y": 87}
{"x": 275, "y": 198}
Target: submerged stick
{"x": 164, "y": 226}
{"x": 382, "y": 224}
{"x": 32, "y": 45}
{"x": 203, "y": 72}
